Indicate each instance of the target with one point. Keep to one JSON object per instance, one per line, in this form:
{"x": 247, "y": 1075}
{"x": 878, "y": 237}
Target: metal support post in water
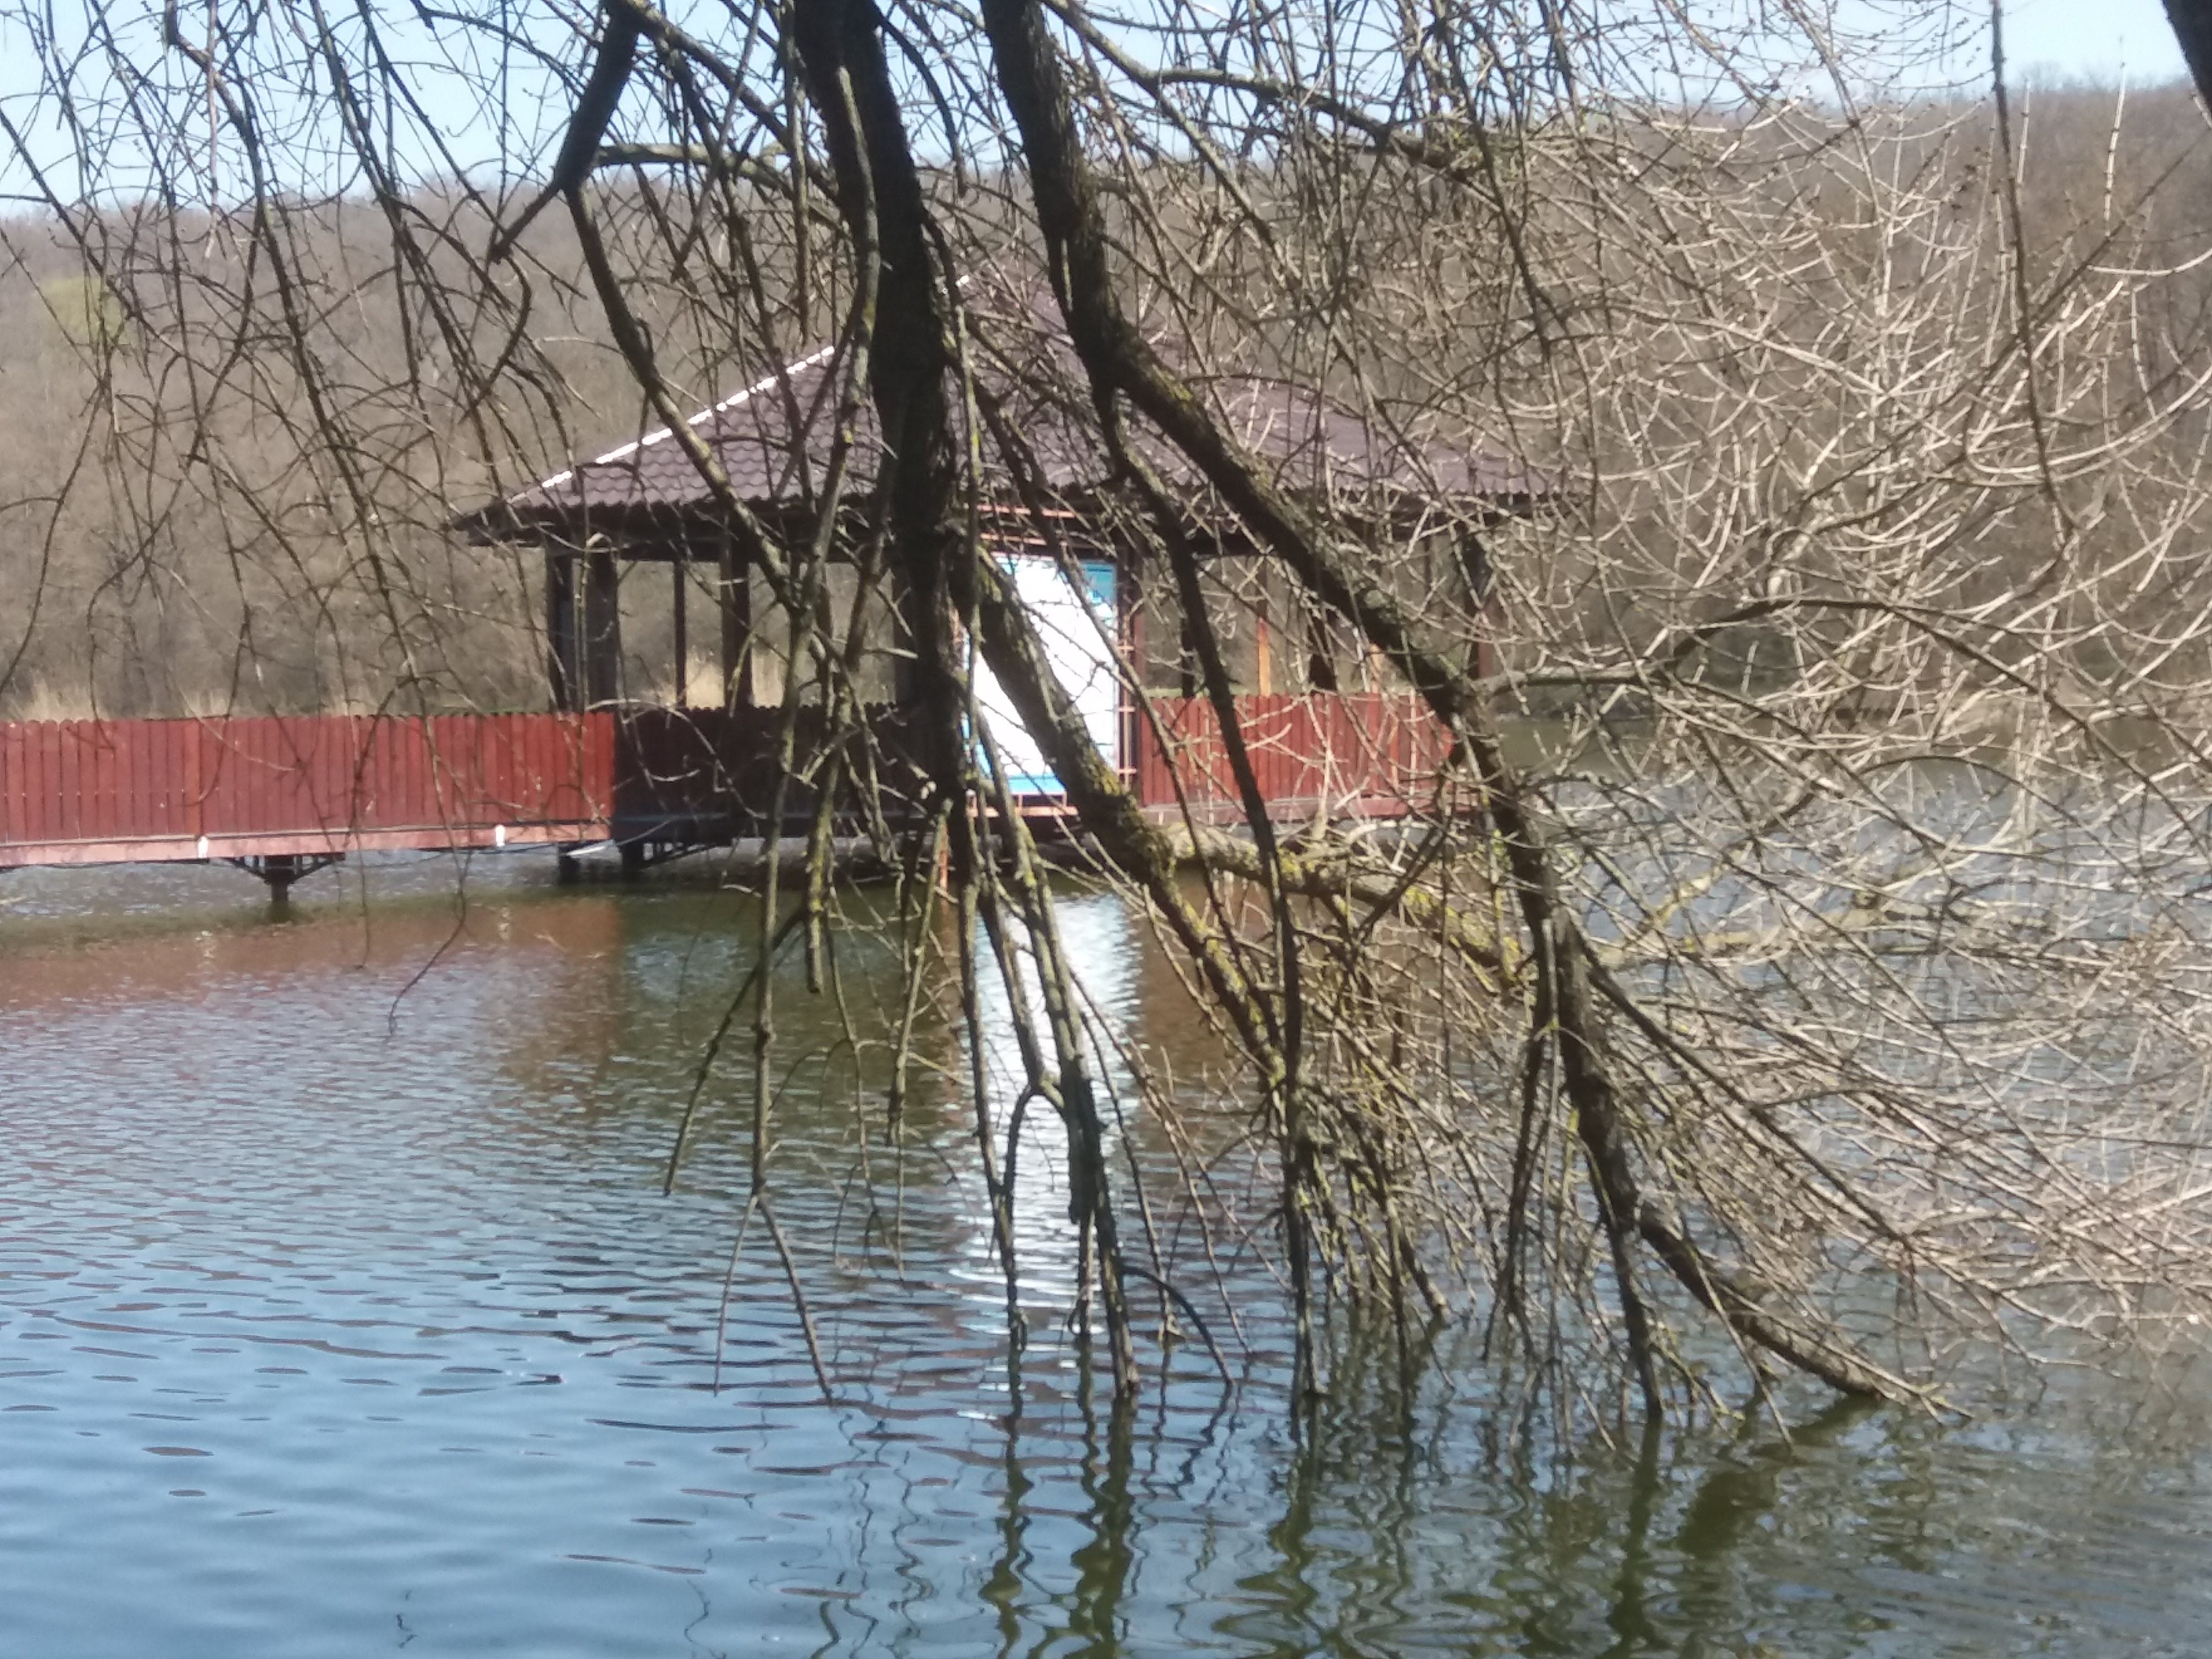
{"x": 281, "y": 870}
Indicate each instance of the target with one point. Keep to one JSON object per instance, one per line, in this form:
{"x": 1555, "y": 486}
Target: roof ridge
{"x": 658, "y": 434}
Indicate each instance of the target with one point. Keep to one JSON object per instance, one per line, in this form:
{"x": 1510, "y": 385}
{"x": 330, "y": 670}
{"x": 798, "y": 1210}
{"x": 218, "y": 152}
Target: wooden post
{"x": 1320, "y": 652}
{"x": 602, "y": 630}
{"x": 735, "y": 581}
{"x": 1474, "y": 568}
{"x": 679, "y": 564}
{"x": 563, "y": 667}
{"x": 907, "y": 691}
{"x": 1129, "y": 575}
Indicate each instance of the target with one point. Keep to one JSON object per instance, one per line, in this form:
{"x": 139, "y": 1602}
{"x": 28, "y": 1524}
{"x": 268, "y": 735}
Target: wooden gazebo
{"x": 1330, "y": 733}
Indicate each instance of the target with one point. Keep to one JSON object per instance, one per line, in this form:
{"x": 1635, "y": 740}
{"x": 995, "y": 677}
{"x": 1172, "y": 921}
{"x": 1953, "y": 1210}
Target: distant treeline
{"x": 190, "y": 521}
{"x": 185, "y": 529}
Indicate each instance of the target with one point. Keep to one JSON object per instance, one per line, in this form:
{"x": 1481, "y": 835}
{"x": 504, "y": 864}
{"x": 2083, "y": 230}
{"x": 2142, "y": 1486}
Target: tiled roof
{"x": 773, "y": 440}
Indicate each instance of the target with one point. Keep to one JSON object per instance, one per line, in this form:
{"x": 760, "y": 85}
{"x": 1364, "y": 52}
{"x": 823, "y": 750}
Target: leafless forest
{"x": 146, "y": 587}
{"x": 1798, "y": 965}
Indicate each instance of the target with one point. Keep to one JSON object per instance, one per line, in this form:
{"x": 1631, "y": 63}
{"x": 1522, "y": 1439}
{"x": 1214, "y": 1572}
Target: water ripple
{"x": 399, "y": 1257}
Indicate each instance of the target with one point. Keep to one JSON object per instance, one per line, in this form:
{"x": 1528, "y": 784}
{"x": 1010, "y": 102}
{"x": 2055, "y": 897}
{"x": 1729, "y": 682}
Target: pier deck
{"x": 292, "y": 792}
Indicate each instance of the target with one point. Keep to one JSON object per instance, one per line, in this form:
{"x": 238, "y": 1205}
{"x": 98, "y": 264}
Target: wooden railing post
{"x": 680, "y": 564}
{"x": 563, "y": 666}
{"x": 602, "y": 630}
{"x": 734, "y": 583}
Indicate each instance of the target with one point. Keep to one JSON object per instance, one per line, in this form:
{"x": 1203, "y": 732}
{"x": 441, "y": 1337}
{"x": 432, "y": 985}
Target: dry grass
{"x": 40, "y": 702}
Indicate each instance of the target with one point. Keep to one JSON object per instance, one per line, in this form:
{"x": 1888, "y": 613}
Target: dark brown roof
{"x": 771, "y": 440}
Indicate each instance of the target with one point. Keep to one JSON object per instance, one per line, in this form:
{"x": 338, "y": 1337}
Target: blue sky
{"x": 2099, "y": 40}
{"x": 2103, "y": 40}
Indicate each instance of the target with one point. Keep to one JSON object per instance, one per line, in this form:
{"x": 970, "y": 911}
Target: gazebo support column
{"x": 563, "y": 663}
{"x": 735, "y": 585}
{"x": 907, "y": 689}
{"x": 602, "y": 630}
{"x": 680, "y": 565}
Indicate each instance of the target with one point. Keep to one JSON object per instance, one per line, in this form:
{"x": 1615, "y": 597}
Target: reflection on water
{"x": 339, "y": 1314}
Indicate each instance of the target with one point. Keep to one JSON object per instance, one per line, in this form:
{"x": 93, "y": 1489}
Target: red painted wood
{"x": 88, "y": 792}
{"x": 14, "y": 812}
{"x": 38, "y": 787}
{"x": 1354, "y": 754}
{"x": 50, "y": 804}
{"x": 34, "y": 782}
{"x": 84, "y": 755}
{"x": 99, "y": 803}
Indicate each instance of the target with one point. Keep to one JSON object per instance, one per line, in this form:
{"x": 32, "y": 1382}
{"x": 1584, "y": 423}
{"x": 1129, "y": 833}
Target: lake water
{"x": 340, "y": 1313}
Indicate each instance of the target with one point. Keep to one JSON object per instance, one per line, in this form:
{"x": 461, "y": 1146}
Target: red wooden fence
{"x": 103, "y": 792}
{"x": 106, "y": 791}
{"x": 1354, "y": 754}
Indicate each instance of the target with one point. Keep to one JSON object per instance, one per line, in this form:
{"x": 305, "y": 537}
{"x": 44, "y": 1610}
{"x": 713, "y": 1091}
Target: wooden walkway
{"x": 1331, "y": 755}
{"x": 112, "y": 792}
{"x": 282, "y": 795}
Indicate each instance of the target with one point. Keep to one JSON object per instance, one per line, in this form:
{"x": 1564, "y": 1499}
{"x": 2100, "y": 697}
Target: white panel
{"x": 1075, "y": 629}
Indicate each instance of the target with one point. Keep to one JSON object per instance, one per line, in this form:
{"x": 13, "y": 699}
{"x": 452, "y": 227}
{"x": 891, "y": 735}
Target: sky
{"x": 509, "y": 136}
{"x": 2093, "y": 40}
